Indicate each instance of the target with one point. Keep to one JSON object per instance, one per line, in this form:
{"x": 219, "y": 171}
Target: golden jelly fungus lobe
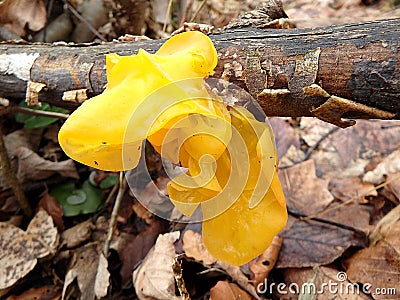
{"x": 95, "y": 134}
{"x": 229, "y": 156}
{"x": 237, "y": 231}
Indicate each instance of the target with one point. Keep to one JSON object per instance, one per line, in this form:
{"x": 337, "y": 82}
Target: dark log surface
{"x": 358, "y": 62}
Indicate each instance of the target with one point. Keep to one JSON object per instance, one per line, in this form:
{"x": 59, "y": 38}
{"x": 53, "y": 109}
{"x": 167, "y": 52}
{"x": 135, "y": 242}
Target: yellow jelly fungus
{"x": 230, "y": 156}
{"x": 96, "y": 131}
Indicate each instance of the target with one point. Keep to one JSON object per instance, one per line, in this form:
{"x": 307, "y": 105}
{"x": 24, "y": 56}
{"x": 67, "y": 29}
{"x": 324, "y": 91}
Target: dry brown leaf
{"x": 11, "y": 205}
{"x": 77, "y": 234}
{"x": 88, "y": 271}
{"x": 153, "y": 159}
{"x": 154, "y": 278}
{"x": 385, "y": 226}
{"x": 32, "y": 167}
{"x": 310, "y": 243}
{"x": 262, "y": 265}
{"x": 366, "y": 139}
{"x": 285, "y": 135}
{"x": 154, "y": 198}
{"x": 143, "y": 213}
{"x": 346, "y": 152}
{"x": 51, "y": 151}
{"x": 351, "y": 188}
{"x": 313, "y": 129}
{"x": 292, "y": 157}
{"x": 15, "y": 260}
{"x": 304, "y": 192}
{"x": 394, "y": 184}
{"x": 352, "y": 214}
{"x": 53, "y": 208}
{"x": 16, "y": 139}
{"x": 19, "y": 250}
{"x": 312, "y": 14}
{"x": 21, "y": 14}
{"x": 379, "y": 266}
{"x": 224, "y": 290}
{"x": 42, "y": 234}
{"x": 133, "y": 248}
{"x": 51, "y": 132}
{"x": 237, "y": 276}
{"x": 47, "y": 292}
{"x": 389, "y": 165}
{"x": 13, "y": 141}
{"x": 321, "y": 283}
{"x": 102, "y": 277}
{"x": 193, "y": 247}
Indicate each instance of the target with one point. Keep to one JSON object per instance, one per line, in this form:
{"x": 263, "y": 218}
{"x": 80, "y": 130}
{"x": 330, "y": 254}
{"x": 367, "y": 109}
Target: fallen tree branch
{"x": 352, "y": 71}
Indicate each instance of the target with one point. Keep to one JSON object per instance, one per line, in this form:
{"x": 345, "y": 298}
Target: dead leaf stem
{"x": 11, "y": 177}
{"x": 114, "y": 213}
{"x": 34, "y": 112}
{"x": 314, "y": 217}
{"x": 166, "y": 15}
{"x": 312, "y": 148}
{"x": 198, "y": 10}
{"x": 111, "y": 194}
{"x": 186, "y": 13}
{"x": 304, "y": 217}
{"x": 12, "y": 109}
{"x": 82, "y": 19}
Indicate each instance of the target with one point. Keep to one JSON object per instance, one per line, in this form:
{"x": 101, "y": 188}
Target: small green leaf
{"x": 77, "y": 197}
{"x": 108, "y": 182}
{"x": 37, "y": 121}
{"x": 91, "y": 178}
{"x": 76, "y": 201}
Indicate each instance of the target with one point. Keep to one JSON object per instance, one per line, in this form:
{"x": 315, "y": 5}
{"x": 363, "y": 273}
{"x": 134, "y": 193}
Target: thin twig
{"x": 323, "y": 137}
{"x": 166, "y": 15}
{"x": 49, "y": 11}
{"x": 312, "y": 148}
{"x": 304, "y": 217}
{"x": 186, "y": 13}
{"x": 198, "y": 10}
{"x": 82, "y": 19}
{"x": 11, "y": 178}
{"x": 111, "y": 194}
{"x": 114, "y": 214}
{"x": 41, "y": 113}
{"x": 389, "y": 126}
{"x": 29, "y": 111}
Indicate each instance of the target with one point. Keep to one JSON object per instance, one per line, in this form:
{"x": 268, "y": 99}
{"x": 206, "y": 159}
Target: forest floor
{"x": 342, "y": 188}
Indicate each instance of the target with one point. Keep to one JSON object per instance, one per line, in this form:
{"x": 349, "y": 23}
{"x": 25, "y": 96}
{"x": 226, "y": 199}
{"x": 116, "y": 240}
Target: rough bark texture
{"x": 356, "y": 62}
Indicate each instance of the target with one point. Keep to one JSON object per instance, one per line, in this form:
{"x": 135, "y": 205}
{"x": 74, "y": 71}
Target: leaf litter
{"x": 20, "y": 250}
{"x": 89, "y": 268}
{"x": 330, "y": 221}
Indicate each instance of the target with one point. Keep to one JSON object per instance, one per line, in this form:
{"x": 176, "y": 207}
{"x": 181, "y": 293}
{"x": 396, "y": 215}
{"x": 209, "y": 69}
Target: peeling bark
{"x": 356, "y": 62}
